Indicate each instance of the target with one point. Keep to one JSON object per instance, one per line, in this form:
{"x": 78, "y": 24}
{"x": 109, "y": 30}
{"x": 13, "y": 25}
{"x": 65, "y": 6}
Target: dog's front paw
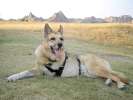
{"x": 11, "y": 78}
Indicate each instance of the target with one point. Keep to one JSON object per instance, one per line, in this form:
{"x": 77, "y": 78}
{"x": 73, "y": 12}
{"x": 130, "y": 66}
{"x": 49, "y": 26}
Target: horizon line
{"x": 66, "y": 16}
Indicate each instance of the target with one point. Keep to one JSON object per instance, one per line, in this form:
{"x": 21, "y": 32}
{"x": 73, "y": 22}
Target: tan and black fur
{"x": 51, "y": 56}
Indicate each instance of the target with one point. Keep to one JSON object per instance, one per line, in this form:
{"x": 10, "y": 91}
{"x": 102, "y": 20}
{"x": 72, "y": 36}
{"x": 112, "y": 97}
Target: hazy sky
{"x": 71, "y": 8}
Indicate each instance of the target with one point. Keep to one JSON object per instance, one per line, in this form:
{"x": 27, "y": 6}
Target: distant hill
{"x": 75, "y": 20}
{"x": 121, "y": 19}
{"x": 58, "y": 17}
{"x": 31, "y": 17}
{"x": 1, "y": 19}
{"x": 92, "y": 19}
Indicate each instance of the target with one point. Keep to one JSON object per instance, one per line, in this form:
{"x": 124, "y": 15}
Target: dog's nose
{"x": 59, "y": 45}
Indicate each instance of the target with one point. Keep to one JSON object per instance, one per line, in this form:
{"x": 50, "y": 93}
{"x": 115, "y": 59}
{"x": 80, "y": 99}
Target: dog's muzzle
{"x": 56, "y": 49}
{"x": 60, "y": 45}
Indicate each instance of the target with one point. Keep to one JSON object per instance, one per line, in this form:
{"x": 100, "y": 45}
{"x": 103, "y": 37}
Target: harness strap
{"x": 48, "y": 66}
{"x": 58, "y": 71}
{"x": 79, "y": 64}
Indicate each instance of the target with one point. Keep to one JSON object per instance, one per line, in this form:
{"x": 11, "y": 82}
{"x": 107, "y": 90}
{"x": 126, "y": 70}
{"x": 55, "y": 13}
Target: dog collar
{"x": 51, "y": 60}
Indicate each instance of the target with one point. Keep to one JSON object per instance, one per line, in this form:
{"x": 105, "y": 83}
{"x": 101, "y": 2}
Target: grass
{"x": 17, "y": 47}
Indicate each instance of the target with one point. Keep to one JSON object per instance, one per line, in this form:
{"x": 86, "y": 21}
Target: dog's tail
{"x": 121, "y": 76}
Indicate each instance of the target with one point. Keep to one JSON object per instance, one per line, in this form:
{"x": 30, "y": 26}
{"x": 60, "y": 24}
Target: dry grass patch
{"x": 117, "y": 34}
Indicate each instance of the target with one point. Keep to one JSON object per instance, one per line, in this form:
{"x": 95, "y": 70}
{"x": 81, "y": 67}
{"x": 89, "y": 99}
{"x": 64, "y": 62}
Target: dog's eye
{"x": 61, "y": 39}
{"x": 52, "y": 38}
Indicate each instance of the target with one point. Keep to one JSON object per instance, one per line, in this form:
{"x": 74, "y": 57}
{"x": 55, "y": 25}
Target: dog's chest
{"x": 71, "y": 67}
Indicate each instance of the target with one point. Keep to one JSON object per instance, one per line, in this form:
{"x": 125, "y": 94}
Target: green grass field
{"x": 17, "y": 54}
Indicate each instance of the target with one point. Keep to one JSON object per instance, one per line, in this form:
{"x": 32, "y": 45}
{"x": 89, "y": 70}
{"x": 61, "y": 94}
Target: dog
{"x": 53, "y": 60}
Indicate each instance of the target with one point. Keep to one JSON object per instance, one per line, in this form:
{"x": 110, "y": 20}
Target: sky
{"x": 71, "y": 8}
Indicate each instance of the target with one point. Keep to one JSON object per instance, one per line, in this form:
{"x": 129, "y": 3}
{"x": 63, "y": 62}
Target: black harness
{"x": 59, "y": 71}
{"x": 79, "y": 64}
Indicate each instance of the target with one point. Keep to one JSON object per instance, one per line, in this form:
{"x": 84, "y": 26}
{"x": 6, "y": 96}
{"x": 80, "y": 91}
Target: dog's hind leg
{"x": 120, "y": 79}
{"x": 101, "y": 68}
{"x": 109, "y": 76}
{"x": 108, "y": 82}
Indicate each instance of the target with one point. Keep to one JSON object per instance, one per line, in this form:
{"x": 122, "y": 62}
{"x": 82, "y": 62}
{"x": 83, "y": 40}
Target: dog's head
{"x": 54, "y": 39}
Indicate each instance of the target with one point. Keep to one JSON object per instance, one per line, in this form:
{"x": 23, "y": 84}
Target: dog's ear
{"x": 47, "y": 30}
{"x": 60, "y": 29}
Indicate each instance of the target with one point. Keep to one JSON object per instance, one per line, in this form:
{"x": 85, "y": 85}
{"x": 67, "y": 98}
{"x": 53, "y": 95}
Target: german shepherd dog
{"x": 53, "y": 60}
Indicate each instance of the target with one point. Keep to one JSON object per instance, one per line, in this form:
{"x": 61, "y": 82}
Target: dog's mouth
{"x": 56, "y": 51}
